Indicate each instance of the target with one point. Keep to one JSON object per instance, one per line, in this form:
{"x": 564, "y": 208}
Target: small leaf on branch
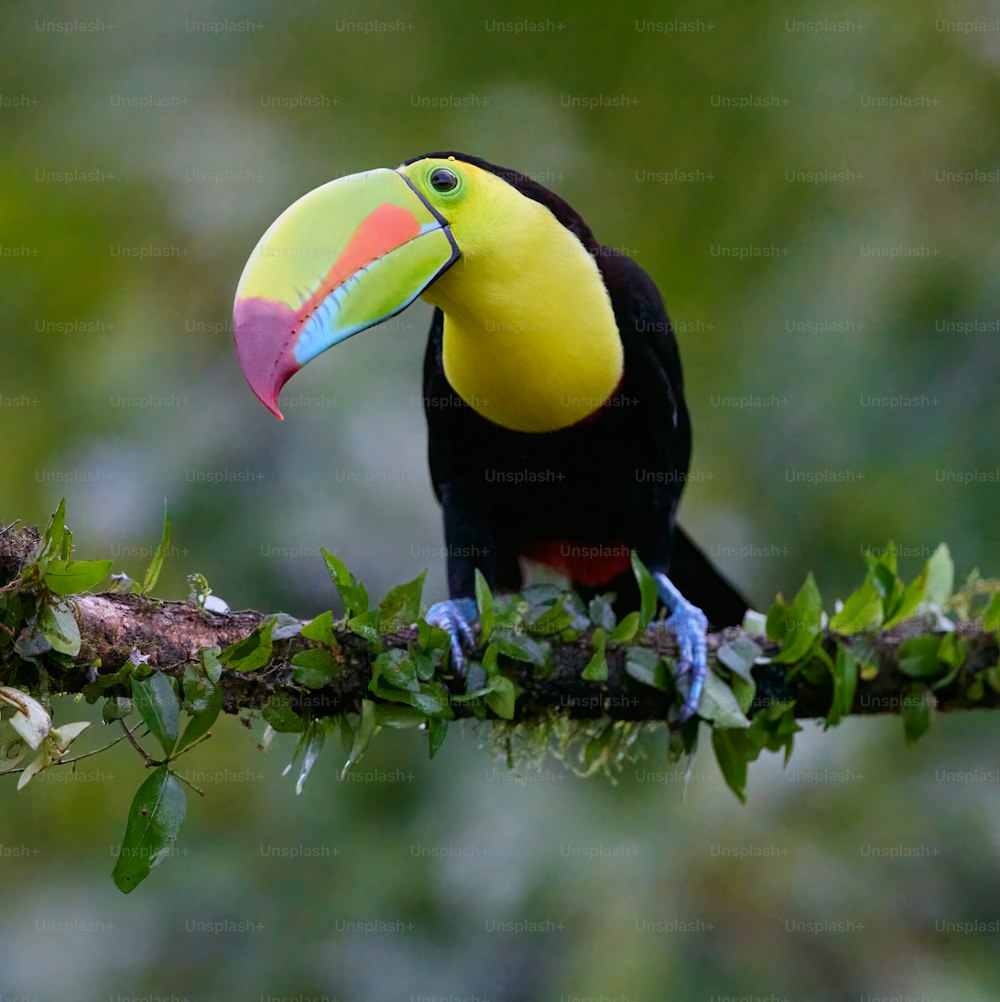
{"x": 251, "y": 652}
{"x": 154, "y": 822}
{"x": 156, "y": 701}
{"x": 152, "y": 574}
{"x": 69, "y": 577}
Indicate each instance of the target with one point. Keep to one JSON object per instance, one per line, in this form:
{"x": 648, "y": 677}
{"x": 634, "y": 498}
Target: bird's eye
{"x": 443, "y": 179}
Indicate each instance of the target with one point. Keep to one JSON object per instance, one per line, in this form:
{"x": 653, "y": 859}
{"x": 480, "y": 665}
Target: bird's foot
{"x": 690, "y": 626}
{"x": 456, "y": 617}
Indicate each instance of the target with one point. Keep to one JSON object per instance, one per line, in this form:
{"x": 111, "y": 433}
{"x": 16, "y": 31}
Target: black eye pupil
{"x": 443, "y": 179}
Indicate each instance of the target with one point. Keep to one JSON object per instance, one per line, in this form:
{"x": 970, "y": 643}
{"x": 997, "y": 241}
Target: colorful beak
{"x": 347, "y": 256}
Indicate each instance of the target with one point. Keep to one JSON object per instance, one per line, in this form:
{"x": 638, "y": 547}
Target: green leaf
{"x": 883, "y": 571}
{"x": 952, "y": 650}
{"x": 154, "y": 822}
{"x": 777, "y": 620}
{"x": 991, "y": 617}
{"x": 352, "y": 592}
{"x": 278, "y": 712}
{"x": 12, "y": 614}
{"x": 648, "y": 667}
{"x": 910, "y": 600}
{"x": 432, "y": 698}
{"x": 739, "y": 656}
{"x": 395, "y": 668}
{"x": 68, "y": 577}
{"x": 732, "y": 749}
{"x": 54, "y": 537}
{"x": 862, "y": 609}
{"x": 437, "y": 731}
{"x": 553, "y": 620}
{"x": 197, "y": 690}
{"x": 918, "y": 656}
{"x": 156, "y": 701}
{"x": 518, "y": 646}
{"x": 744, "y": 690}
{"x": 718, "y": 704}
{"x": 314, "y": 668}
{"x": 476, "y": 688}
{"x": 362, "y": 735}
{"x": 940, "y": 577}
{"x": 424, "y": 666}
{"x": 152, "y": 574}
{"x": 647, "y": 592}
{"x": 510, "y": 610}
{"x": 501, "y": 698}
{"x": 597, "y": 666}
{"x": 320, "y": 630}
{"x": 59, "y": 625}
{"x": 115, "y": 708}
{"x": 774, "y": 728}
{"x": 425, "y": 636}
{"x": 251, "y": 652}
{"x": 484, "y": 600}
{"x": 401, "y": 605}
{"x": 802, "y": 624}
{"x": 336, "y": 568}
{"x": 201, "y": 722}
{"x": 489, "y": 660}
{"x": 626, "y": 630}
{"x": 210, "y": 663}
{"x": 365, "y": 625}
{"x": 399, "y": 717}
{"x": 96, "y": 689}
{"x": 845, "y": 684}
{"x": 916, "y": 712}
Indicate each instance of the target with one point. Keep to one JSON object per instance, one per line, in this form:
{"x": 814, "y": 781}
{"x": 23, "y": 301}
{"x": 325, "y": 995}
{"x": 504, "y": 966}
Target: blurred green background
{"x": 814, "y": 189}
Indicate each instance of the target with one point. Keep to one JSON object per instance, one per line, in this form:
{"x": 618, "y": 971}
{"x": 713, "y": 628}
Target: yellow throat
{"x": 530, "y": 338}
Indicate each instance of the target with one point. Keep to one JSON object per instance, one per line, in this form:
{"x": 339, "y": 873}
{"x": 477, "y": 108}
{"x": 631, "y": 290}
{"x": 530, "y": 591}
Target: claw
{"x": 689, "y": 625}
{"x": 455, "y": 616}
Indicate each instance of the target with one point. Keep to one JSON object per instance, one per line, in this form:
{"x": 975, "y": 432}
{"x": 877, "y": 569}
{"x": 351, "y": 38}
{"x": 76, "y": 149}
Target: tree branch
{"x": 170, "y": 634}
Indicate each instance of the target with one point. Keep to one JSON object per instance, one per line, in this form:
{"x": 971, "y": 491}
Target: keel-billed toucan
{"x": 552, "y": 381}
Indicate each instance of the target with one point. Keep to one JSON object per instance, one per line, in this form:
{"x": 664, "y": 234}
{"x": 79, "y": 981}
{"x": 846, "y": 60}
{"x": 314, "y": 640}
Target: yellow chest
{"x": 533, "y": 349}
{"x": 533, "y": 375}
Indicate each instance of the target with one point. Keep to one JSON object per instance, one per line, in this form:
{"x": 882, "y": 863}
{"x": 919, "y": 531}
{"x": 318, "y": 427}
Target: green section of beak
{"x": 342, "y": 258}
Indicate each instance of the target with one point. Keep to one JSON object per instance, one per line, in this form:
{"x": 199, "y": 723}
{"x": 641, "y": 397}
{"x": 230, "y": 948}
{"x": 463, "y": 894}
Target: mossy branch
{"x": 113, "y": 627}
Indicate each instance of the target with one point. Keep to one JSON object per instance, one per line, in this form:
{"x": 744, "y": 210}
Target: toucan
{"x": 558, "y": 429}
